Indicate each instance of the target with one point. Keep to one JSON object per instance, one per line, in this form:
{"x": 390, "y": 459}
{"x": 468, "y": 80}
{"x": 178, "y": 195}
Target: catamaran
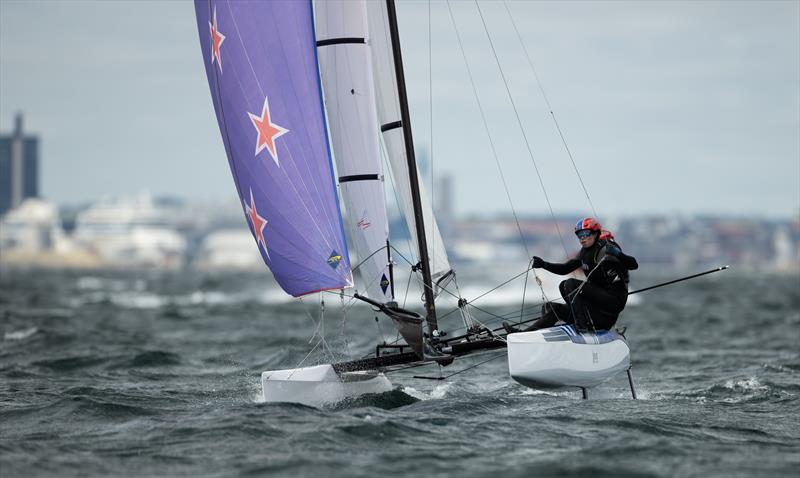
{"x": 296, "y": 85}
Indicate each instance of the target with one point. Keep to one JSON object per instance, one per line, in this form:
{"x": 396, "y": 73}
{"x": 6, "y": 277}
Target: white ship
{"x": 132, "y": 232}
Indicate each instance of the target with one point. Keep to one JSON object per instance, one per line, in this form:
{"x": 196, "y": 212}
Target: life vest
{"x": 610, "y": 272}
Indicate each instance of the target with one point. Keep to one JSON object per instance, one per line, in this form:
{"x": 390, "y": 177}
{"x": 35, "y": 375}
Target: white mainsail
{"x": 388, "y": 104}
{"x": 346, "y": 73}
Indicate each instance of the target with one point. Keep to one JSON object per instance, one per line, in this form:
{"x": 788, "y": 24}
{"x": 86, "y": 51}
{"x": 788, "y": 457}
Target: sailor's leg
{"x": 551, "y": 313}
{"x": 600, "y": 306}
{"x": 595, "y": 295}
{"x": 579, "y": 313}
{"x": 601, "y": 319}
{"x": 548, "y": 319}
{"x": 571, "y": 291}
{"x": 568, "y": 288}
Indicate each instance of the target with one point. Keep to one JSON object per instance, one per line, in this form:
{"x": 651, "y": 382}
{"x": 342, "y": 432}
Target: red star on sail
{"x": 216, "y": 41}
{"x": 257, "y": 221}
{"x": 268, "y": 131}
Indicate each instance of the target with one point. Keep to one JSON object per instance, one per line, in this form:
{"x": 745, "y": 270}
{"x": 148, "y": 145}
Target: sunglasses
{"x": 583, "y": 233}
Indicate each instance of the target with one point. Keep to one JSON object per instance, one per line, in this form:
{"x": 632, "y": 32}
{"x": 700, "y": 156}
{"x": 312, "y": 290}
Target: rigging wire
{"x": 476, "y": 298}
{"x": 500, "y": 354}
{"x": 385, "y": 155}
{"x": 457, "y": 295}
{"x": 499, "y": 167}
{"x": 525, "y": 291}
{"x": 343, "y": 331}
{"x": 408, "y": 286}
{"x": 444, "y": 289}
{"x": 322, "y": 327}
{"x": 380, "y": 249}
{"x": 522, "y": 129}
{"x": 319, "y": 331}
{"x": 515, "y": 313}
{"x": 486, "y": 128}
{"x": 549, "y": 108}
{"x": 469, "y": 321}
{"x": 297, "y": 367}
{"x": 495, "y": 317}
{"x": 423, "y": 364}
{"x": 430, "y": 114}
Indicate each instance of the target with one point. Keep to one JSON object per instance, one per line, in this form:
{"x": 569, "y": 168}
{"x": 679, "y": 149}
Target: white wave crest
{"x": 20, "y": 334}
{"x": 750, "y": 384}
{"x": 438, "y": 392}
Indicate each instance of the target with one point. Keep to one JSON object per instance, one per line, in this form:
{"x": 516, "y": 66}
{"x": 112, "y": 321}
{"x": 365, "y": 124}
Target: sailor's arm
{"x": 629, "y": 262}
{"x": 560, "y": 269}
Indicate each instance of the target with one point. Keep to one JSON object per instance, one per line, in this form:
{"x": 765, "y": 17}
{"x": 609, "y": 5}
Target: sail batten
{"x": 268, "y": 102}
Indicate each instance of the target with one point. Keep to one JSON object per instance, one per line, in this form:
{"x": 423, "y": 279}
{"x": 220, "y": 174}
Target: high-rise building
{"x": 19, "y": 167}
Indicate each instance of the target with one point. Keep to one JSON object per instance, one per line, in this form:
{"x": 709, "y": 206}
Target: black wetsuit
{"x": 597, "y": 303}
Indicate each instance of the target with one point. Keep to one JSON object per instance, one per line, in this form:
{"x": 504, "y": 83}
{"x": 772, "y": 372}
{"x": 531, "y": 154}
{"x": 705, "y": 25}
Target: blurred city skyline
{"x": 690, "y": 108}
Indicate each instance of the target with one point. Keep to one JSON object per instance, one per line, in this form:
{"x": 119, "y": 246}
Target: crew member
{"x": 593, "y": 304}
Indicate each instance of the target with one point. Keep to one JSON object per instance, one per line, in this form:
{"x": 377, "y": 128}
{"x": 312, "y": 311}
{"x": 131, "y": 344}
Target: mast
{"x": 405, "y": 118}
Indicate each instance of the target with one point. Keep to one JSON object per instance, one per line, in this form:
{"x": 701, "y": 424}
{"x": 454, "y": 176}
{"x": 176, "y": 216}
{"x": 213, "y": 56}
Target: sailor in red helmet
{"x": 593, "y": 304}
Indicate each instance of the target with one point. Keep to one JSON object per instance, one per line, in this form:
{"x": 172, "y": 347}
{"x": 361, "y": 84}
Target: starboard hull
{"x": 320, "y": 385}
{"x": 559, "y": 357}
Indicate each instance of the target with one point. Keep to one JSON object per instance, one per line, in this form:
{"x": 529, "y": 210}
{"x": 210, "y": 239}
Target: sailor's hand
{"x": 613, "y": 250}
{"x": 537, "y": 262}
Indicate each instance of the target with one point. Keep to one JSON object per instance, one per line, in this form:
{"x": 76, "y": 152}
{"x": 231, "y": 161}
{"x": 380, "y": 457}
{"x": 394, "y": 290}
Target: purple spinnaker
{"x": 260, "y": 59}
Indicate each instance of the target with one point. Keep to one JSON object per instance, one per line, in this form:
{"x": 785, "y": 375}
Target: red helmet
{"x": 587, "y": 223}
{"x": 606, "y": 234}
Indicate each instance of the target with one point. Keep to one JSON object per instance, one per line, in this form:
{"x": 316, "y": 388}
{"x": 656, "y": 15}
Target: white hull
{"x": 559, "y": 357}
{"x": 319, "y": 385}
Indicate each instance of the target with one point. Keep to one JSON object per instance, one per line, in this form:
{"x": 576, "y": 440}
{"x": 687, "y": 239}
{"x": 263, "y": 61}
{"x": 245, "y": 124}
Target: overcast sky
{"x": 676, "y": 106}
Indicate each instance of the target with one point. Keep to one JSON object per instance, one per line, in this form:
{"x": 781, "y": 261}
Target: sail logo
{"x": 267, "y": 131}
{"x": 216, "y": 41}
{"x": 363, "y": 223}
{"x": 334, "y": 259}
{"x": 258, "y": 222}
{"x": 384, "y": 283}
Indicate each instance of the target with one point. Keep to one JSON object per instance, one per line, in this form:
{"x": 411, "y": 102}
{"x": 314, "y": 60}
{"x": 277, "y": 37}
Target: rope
{"x": 343, "y": 332}
{"x": 430, "y": 114}
{"x": 318, "y": 326}
{"x": 499, "y": 286}
{"x": 486, "y": 128}
{"x": 367, "y": 258}
{"x": 491, "y": 332}
{"x": 550, "y": 108}
{"x": 423, "y": 364}
{"x": 501, "y": 354}
{"x": 577, "y": 291}
{"x": 465, "y": 315}
{"x": 525, "y": 291}
{"x": 297, "y": 367}
{"x": 408, "y": 286}
{"x": 507, "y": 315}
{"x": 519, "y": 123}
{"x": 470, "y": 302}
{"x": 322, "y": 328}
{"x": 397, "y": 202}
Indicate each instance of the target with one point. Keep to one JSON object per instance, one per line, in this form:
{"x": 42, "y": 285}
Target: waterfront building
{"x": 230, "y": 249}
{"x": 19, "y": 167}
{"x": 33, "y": 226}
{"x": 135, "y": 231}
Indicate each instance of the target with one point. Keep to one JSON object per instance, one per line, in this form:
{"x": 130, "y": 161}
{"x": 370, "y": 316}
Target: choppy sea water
{"x": 153, "y": 374}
